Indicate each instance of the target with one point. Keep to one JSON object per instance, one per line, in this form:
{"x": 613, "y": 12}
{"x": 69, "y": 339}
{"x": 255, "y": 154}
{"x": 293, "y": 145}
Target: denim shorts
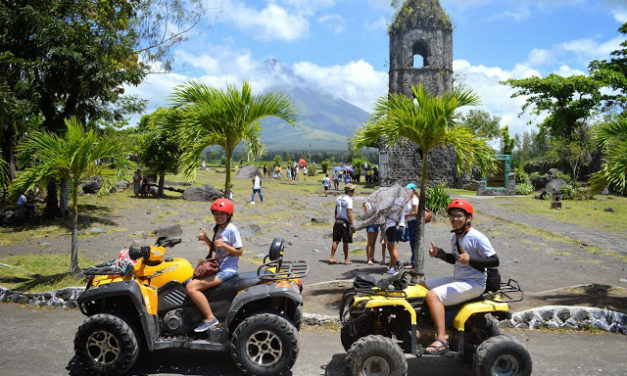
{"x": 225, "y": 275}
{"x": 374, "y": 228}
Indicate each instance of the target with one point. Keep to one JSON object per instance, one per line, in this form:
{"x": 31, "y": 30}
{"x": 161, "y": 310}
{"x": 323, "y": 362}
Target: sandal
{"x": 438, "y": 350}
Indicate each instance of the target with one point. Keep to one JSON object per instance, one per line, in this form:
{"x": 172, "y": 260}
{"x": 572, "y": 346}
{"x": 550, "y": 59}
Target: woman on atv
{"x": 472, "y": 253}
{"x": 227, "y": 244}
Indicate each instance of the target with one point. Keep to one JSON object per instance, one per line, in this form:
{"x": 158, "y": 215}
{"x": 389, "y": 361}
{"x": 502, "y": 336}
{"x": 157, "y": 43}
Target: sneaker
{"x": 204, "y": 325}
{"x": 252, "y": 202}
{"x": 391, "y": 271}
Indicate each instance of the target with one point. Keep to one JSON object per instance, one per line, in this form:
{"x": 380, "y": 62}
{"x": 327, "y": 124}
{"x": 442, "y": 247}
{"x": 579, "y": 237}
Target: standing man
{"x": 325, "y": 184}
{"x": 344, "y": 225}
{"x": 256, "y": 188}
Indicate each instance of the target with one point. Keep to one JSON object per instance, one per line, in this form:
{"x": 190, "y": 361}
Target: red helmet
{"x": 461, "y": 204}
{"x": 222, "y": 205}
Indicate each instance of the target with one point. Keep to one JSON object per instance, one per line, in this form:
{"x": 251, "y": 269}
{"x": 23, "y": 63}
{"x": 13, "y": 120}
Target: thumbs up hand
{"x": 463, "y": 258}
{"x": 433, "y": 251}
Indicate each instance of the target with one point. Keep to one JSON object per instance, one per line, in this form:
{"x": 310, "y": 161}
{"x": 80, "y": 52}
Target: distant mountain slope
{"x": 324, "y": 123}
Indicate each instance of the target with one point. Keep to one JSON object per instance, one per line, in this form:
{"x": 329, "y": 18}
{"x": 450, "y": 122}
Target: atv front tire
{"x": 264, "y": 344}
{"x": 375, "y": 355}
{"x": 106, "y": 345}
{"x": 477, "y": 331}
{"x": 501, "y": 356}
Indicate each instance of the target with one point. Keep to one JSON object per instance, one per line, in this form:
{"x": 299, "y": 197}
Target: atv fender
{"x": 137, "y": 300}
{"x": 261, "y": 293}
{"x": 485, "y": 306}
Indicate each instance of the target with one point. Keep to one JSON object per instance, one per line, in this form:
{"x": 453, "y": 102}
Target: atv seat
{"x": 233, "y": 285}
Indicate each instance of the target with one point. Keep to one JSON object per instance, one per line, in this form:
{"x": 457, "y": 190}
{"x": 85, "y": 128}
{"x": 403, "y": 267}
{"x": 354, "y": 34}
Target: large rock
{"x": 248, "y": 172}
{"x": 119, "y": 186}
{"x": 92, "y": 184}
{"x": 554, "y": 171}
{"x": 541, "y": 181}
{"x": 204, "y": 193}
{"x": 554, "y": 186}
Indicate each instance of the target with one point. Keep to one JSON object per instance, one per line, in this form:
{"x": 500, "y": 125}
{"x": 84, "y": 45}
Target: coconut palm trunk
{"x": 420, "y": 228}
{"x": 74, "y": 250}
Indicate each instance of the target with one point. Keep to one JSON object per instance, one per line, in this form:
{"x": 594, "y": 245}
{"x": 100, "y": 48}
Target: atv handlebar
{"x": 164, "y": 241}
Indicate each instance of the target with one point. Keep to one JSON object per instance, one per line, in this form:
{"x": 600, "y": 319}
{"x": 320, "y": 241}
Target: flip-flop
{"x": 439, "y": 350}
{"x": 332, "y": 262}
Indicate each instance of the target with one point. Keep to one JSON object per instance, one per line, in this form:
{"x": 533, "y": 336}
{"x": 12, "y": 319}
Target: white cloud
{"x": 270, "y": 23}
{"x": 539, "y": 56}
{"x": 620, "y": 16}
{"x": 379, "y": 24}
{"x": 356, "y": 82}
{"x": 519, "y": 14}
{"x": 334, "y": 22}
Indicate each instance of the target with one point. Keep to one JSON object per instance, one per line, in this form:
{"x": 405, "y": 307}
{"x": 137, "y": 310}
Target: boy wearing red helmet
{"x": 472, "y": 254}
{"x": 227, "y": 244}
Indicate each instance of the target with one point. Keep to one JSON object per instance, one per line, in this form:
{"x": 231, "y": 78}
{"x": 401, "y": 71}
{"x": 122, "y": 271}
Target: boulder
{"x": 92, "y": 184}
{"x": 204, "y": 193}
{"x": 248, "y": 172}
{"x": 554, "y": 186}
{"x": 541, "y": 181}
{"x": 119, "y": 186}
{"x": 554, "y": 171}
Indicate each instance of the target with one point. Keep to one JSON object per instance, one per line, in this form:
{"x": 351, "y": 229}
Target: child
{"x": 325, "y": 184}
{"x": 472, "y": 254}
{"x": 227, "y": 244}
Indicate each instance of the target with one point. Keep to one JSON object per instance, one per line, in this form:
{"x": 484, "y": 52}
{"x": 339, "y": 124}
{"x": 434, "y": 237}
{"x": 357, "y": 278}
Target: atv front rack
{"x": 280, "y": 269}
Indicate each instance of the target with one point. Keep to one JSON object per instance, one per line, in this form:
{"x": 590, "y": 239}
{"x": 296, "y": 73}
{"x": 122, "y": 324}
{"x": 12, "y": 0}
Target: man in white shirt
{"x": 256, "y": 188}
{"x": 344, "y": 225}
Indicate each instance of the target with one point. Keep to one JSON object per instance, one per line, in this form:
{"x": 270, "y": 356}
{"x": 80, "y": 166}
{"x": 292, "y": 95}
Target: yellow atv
{"x": 385, "y": 320}
{"x": 146, "y": 303}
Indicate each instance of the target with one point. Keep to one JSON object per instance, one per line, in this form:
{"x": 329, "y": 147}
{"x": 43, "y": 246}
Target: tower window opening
{"x": 419, "y": 61}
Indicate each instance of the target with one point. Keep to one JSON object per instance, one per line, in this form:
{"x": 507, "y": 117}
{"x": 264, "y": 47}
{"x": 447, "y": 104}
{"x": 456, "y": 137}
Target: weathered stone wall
{"x": 402, "y": 163}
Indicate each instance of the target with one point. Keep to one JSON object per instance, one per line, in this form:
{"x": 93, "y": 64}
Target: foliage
{"x": 533, "y": 176}
{"x": 428, "y": 121}
{"x": 564, "y": 177}
{"x": 209, "y": 116}
{"x": 523, "y": 188}
{"x": 324, "y": 166}
{"x": 311, "y": 170}
{"x": 569, "y": 101}
{"x": 357, "y": 164}
{"x": 437, "y": 199}
{"x": 507, "y": 143}
{"x": 75, "y": 156}
{"x": 482, "y": 123}
{"x": 521, "y": 175}
{"x": 412, "y": 14}
{"x": 611, "y": 137}
{"x": 613, "y": 73}
{"x": 574, "y": 191}
{"x": 159, "y": 150}
{"x": 277, "y": 160}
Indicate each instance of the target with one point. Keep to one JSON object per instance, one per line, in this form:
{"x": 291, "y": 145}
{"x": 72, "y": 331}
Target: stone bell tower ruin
{"x": 421, "y": 52}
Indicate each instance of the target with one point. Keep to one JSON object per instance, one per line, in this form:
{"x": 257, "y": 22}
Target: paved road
{"x": 40, "y": 342}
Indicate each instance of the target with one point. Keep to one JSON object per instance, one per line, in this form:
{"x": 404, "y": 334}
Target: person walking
{"x": 411, "y": 213}
{"x": 344, "y": 225}
{"x": 304, "y": 173}
{"x": 325, "y": 184}
{"x": 393, "y": 234}
{"x": 256, "y": 188}
{"x": 137, "y": 182}
{"x": 371, "y": 232}
{"x": 336, "y": 180}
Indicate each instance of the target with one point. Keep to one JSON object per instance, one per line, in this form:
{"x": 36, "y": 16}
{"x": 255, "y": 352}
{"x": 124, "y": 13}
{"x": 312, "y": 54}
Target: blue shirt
{"x": 477, "y": 246}
{"x": 230, "y": 235}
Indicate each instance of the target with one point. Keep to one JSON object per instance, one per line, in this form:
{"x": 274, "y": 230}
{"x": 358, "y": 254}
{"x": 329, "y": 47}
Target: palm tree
{"x": 210, "y": 116}
{"x": 611, "y": 137}
{"x": 429, "y": 121}
{"x": 73, "y": 156}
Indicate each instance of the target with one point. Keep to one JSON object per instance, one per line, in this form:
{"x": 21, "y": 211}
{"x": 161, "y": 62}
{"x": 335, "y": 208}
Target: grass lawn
{"x": 589, "y": 213}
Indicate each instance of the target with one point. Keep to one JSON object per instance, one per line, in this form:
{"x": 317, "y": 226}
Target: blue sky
{"x": 340, "y": 47}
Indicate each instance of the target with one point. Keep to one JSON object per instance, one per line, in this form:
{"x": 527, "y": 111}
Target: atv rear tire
{"x": 481, "y": 328}
{"x": 501, "y": 356}
{"x": 264, "y": 344}
{"x": 106, "y": 345}
{"x": 375, "y": 355}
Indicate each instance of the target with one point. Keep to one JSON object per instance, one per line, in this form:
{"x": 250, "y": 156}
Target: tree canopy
{"x": 613, "y": 73}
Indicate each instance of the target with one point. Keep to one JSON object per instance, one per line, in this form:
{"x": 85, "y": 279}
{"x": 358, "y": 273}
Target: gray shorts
{"x": 454, "y": 291}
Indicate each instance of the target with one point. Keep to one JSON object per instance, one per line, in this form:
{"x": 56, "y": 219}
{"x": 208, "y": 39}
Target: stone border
{"x": 551, "y": 317}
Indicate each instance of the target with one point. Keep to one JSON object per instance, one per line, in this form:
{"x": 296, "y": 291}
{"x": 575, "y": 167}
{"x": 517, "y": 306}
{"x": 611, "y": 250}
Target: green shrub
{"x": 574, "y": 191}
{"x": 311, "y": 170}
{"x": 568, "y": 191}
{"x": 324, "y": 165}
{"x": 564, "y": 177}
{"x": 437, "y": 199}
{"x": 521, "y": 175}
{"x": 523, "y": 188}
{"x": 533, "y": 175}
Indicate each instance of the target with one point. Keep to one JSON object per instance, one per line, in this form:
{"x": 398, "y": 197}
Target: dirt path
{"x": 299, "y": 213}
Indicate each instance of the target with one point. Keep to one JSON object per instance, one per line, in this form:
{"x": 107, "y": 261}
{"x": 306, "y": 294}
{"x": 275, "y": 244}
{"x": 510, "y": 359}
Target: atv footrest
{"x": 190, "y": 343}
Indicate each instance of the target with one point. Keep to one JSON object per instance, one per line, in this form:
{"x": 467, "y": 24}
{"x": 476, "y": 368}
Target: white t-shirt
{"x": 409, "y": 207}
{"x": 343, "y": 203}
{"x": 257, "y": 182}
{"x": 325, "y": 181}
{"x": 231, "y": 236}
{"x": 478, "y": 246}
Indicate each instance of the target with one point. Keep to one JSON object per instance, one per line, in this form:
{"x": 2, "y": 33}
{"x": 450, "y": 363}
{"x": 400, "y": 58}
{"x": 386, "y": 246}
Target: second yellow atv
{"x": 383, "y": 321}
